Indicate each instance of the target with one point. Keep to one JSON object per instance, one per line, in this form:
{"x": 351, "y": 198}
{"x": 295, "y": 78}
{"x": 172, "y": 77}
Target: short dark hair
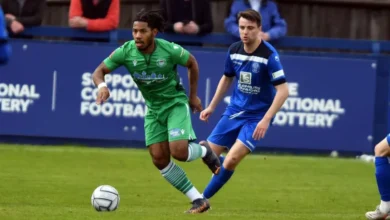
{"x": 153, "y": 18}
{"x": 250, "y": 15}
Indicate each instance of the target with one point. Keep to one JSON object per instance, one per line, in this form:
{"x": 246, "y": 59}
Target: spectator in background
{"x": 273, "y": 25}
{"x": 5, "y": 48}
{"x": 94, "y": 15}
{"x": 187, "y": 16}
{"x": 23, "y": 13}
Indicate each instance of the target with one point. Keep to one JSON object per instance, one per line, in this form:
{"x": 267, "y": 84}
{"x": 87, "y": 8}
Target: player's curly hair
{"x": 154, "y": 19}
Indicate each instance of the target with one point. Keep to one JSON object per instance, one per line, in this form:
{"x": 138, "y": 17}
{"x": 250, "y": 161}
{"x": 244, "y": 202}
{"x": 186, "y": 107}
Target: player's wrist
{"x": 193, "y": 96}
{"x": 101, "y": 85}
{"x": 211, "y": 107}
{"x": 267, "y": 117}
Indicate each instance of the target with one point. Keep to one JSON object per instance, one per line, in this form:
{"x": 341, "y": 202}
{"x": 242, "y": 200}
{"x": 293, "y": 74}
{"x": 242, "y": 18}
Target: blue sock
{"x": 221, "y": 159}
{"x": 382, "y": 173}
{"x": 217, "y": 182}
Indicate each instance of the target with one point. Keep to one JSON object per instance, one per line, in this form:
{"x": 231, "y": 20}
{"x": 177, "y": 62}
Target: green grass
{"x": 57, "y": 182}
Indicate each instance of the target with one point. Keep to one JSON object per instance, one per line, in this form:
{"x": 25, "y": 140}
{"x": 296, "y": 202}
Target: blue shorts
{"x": 227, "y": 131}
{"x": 388, "y": 139}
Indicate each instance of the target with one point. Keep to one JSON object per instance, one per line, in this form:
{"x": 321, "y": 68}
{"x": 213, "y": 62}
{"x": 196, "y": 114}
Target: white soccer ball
{"x": 105, "y": 198}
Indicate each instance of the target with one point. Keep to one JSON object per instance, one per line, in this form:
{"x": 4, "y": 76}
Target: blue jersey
{"x": 5, "y": 49}
{"x": 257, "y": 74}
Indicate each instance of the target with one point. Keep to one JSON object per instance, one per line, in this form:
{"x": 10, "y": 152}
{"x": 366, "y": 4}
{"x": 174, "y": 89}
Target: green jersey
{"x": 155, "y": 74}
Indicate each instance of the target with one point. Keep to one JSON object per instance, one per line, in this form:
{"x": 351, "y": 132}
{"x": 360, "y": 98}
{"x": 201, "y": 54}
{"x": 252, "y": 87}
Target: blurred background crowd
{"x": 352, "y": 19}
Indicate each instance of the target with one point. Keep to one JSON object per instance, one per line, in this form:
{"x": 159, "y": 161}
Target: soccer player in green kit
{"x": 152, "y": 63}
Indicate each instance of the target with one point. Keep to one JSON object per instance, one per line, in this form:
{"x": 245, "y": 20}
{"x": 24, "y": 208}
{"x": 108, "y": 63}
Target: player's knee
{"x": 161, "y": 162}
{"x": 231, "y": 162}
{"x": 180, "y": 154}
{"x": 179, "y": 150}
{"x": 160, "y": 159}
{"x": 382, "y": 149}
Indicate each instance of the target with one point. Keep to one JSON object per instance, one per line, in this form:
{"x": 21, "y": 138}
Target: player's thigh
{"x": 246, "y": 134}
{"x": 224, "y": 133}
{"x": 179, "y": 123}
{"x": 160, "y": 154}
{"x": 382, "y": 149}
{"x": 235, "y": 155}
{"x": 155, "y": 131}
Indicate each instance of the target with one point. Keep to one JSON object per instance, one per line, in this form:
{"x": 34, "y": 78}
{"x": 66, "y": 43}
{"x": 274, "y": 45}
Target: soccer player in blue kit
{"x": 260, "y": 91}
{"x": 382, "y": 173}
{"x": 5, "y": 48}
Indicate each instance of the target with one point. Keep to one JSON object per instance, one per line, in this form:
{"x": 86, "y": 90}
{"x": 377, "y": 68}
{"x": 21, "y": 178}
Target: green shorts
{"x": 171, "y": 124}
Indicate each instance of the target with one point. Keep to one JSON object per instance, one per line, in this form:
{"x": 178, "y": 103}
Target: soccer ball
{"x": 105, "y": 198}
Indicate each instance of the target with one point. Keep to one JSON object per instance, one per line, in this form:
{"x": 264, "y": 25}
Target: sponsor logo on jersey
{"x": 161, "y": 62}
{"x": 148, "y": 78}
{"x": 245, "y": 77}
{"x": 255, "y": 67}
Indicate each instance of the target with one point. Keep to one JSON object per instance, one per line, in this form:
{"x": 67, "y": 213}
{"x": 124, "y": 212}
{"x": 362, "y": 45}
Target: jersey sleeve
{"x": 275, "y": 70}
{"x": 229, "y": 70}
{"x": 116, "y": 59}
{"x": 179, "y": 54}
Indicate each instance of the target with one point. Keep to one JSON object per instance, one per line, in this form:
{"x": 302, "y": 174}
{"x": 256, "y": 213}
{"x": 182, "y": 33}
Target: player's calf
{"x": 382, "y": 173}
{"x": 183, "y": 151}
{"x": 232, "y": 159}
{"x": 382, "y": 149}
{"x": 235, "y": 155}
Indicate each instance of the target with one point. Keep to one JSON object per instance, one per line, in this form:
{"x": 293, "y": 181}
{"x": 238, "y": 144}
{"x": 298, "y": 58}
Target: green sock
{"x": 195, "y": 151}
{"x": 176, "y": 177}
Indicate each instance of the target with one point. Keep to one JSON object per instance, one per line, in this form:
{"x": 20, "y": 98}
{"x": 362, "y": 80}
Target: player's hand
{"x": 205, "y": 114}
{"x": 261, "y": 129}
{"x": 103, "y": 95}
{"x": 195, "y": 104}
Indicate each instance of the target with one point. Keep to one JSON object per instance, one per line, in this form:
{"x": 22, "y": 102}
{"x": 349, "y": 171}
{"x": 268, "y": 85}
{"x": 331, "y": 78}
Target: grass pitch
{"x": 56, "y": 183}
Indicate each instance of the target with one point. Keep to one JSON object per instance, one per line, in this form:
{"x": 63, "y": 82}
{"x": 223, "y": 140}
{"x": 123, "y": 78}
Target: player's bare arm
{"x": 280, "y": 97}
{"x": 193, "y": 76}
{"x": 98, "y": 79}
{"x": 223, "y": 86}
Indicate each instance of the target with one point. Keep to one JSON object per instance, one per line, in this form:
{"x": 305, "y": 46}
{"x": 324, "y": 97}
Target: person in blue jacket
{"x": 5, "y": 48}
{"x": 273, "y": 26}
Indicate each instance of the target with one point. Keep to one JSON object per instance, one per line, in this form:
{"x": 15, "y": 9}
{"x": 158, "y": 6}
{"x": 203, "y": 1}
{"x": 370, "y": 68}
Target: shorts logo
{"x": 176, "y": 132}
{"x": 245, "y": 77}
{"x": 255, "y": 67}
{"x": 161, "y": 62}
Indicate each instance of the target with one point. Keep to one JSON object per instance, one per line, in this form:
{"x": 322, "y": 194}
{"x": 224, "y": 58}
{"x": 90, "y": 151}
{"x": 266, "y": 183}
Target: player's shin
{"x": 195, "y": 151}
{"x": 178, "y": 179}
{"x": 382, "y": 174}
{"x": 217, "y": 182}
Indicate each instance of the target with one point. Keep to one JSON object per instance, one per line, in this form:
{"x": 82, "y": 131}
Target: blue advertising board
{"x": 47, "y": 91}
